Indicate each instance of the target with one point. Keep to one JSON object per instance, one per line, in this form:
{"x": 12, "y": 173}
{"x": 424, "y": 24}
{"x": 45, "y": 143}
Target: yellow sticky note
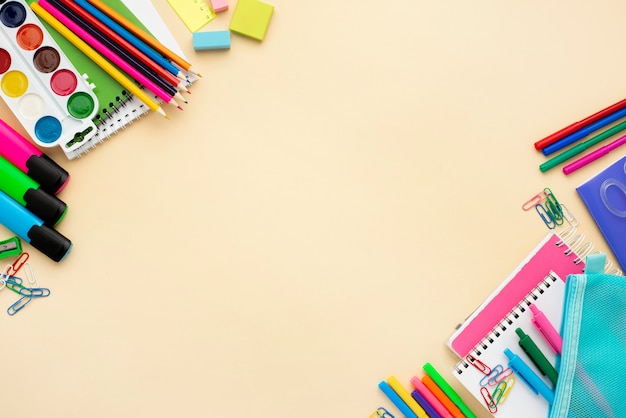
{"x": 251, "y": 18}
{"x": 194, "y": 13}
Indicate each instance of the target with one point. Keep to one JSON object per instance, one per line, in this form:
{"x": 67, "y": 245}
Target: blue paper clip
{"x": 19, "y": 305}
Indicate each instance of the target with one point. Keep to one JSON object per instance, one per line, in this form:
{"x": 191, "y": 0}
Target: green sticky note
{"x": 251, "y": 18}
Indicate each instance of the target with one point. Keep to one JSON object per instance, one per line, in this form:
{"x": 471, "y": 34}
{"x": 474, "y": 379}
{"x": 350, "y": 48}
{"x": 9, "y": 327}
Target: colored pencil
{"x": 116, "y": 49}
{"x": 576, "y": 126}
{"x": 141, "y": 34}
{"x": 594, "y": 155}
{"x": 579, "y": 148}
{"x": 122, "y": 43}
{"x": 130, "y": 38}
{"x": 109, "y": 68}
{"x": 123, "y": 65}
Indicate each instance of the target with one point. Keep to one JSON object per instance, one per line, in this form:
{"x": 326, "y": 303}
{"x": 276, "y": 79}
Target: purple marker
{"x": 51, "y": 177}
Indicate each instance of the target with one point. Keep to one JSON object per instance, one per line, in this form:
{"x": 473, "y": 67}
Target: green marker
{"x": 448, "y": 390}
{"x": 536, "y": 356}
{"x": 574, "y": 151}
{"x": 28, "y": 193}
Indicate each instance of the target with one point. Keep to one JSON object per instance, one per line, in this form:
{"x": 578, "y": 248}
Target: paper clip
{"x": 545, "y": 216}
{"x": 489, "y": 377}
{"x": 10, "y": 247}
{"x": 498, "y": 392}
{"x": 17, "y": 264}
{"x": 501, "y": 377}
{"x": 491, "y": 405}
{"x": 509, "y": 385}
{"x": 568, "y": 216}
{"x": 482, "y": 367}
{"x": 535, "y": 200}
{"x": 30, "y": 275}
{"x": 381, "y": 413}
{"x": 17, "y": 287}
{"x": 19, "y": 305}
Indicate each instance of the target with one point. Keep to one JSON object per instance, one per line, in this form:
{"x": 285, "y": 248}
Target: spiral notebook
{"x": 539, "y": 279}
{"x": 118, "y": 109}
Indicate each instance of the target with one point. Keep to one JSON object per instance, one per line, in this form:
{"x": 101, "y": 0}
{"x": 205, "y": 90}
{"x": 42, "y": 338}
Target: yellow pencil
{"x": 141, "y": 34}
{"x": 406, "y": 397}
{"x": 97, "y": 58}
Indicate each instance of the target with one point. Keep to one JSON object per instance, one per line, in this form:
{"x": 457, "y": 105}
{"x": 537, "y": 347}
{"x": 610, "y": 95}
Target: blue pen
{"x": 397, "y": 401}
{"x": 32, "y": 229}
{"x": 529, "y": 377}
{"x": 583, "y": 132}
{"x": 139, "y": 44}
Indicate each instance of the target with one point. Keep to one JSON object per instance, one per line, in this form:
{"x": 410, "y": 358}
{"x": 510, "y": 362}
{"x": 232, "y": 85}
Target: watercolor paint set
{"x": 52, "y": 101}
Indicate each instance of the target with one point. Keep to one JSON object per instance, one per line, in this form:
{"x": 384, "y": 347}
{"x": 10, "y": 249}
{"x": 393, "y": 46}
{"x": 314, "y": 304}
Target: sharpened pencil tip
{"x": 180, "y": 108}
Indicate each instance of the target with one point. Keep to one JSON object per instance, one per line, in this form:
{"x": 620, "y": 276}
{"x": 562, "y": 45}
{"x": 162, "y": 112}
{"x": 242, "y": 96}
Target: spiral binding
{"x": 508, "y": 321}
{"x": 579, "y": 245}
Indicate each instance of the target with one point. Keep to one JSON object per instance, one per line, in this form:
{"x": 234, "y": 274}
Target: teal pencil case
{"x": 592, "y": 366}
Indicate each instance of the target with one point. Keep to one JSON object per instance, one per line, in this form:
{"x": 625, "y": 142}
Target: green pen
{"x": 536, "y": 356}
{"x": 448, "y": 390}
{"x": 575, "y": 150}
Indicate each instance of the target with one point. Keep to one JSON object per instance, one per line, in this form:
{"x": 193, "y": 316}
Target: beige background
{"x": 328, "y": 206}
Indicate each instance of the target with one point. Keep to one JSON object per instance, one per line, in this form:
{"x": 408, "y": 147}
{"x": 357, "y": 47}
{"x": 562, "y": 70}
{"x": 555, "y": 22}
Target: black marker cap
{"x": 50, "y": 176}
{"x": 49, "y": 241}
{"x": 49, "y": 208}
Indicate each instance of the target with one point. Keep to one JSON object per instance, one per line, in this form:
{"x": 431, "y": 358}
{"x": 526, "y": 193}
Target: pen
{"x": 396, "y": 400}
{"x": 450, "y": 393}
{"x": 594, "y": 155}
{"x": 529, "y": 377}
{"x": 28, "y": 158}
{"x": 536, "y": 356}
{"x": 568, "y": 130}
{"x": 430, "y": 398}
{"x": 577, "y": 149}
{"x": 442, "y": 397}
{"x": 587, "y": 130}
{"x": 32, "y": 229}
{"x": 423, "y": 402}
{"x": 25, "y": 191}
{"x": 141, "y": 34}
{"x": 110, "y": 55}
{"x": 546, "y": 329}
{"x": 406, "y": 397}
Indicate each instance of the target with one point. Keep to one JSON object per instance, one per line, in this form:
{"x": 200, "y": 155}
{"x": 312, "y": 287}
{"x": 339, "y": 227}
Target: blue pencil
{"x": 583, "y": 132}
{"x": 138, "y": 43}
{"x": 396, "y": 400}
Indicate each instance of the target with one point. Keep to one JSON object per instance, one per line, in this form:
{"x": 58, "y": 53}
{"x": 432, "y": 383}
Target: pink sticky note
{"x": 219, "y": 5}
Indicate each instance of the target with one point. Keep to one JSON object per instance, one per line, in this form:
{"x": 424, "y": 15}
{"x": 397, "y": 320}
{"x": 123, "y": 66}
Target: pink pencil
{"x": 110, "y": 55}
{"x": 592, "y": 156}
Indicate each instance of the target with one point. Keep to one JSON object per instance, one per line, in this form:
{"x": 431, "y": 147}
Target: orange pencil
{"x": 447, "y": 403}
{"x": 141, "y": 34}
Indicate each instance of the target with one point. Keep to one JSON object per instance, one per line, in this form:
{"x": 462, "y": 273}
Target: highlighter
{"x": 32, "y": 229}
{"x": 18, "y": 150}
{"x": 27, "y": 192}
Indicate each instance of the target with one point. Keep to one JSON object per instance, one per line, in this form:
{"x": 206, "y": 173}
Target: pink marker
{"x": 594, "y": 155}
{"x": 24, "y": 155}
{"x": 110, "y": 55}
{"x": 430, "y": 398}
{"x": 546, "y": 329}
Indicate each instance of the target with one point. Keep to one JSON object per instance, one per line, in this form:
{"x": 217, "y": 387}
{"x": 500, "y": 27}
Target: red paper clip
{"x": 482, "y": 367}
{"x": 493, "y": 408}
{"x": 17, "y": 264}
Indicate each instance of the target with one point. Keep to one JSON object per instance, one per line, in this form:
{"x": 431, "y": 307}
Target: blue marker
{"x": 532, "y": 380}
{"x": 138, "y": 43}
{"x": 396, "y": 399}
{"x": 32, "y": 229}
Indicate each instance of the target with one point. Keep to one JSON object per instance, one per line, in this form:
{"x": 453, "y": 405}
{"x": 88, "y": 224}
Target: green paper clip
{"x": 11, "y": 247}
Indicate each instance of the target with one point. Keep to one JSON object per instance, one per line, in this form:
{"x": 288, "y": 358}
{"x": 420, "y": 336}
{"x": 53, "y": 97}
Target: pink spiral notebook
{"x": 551, "y": 254}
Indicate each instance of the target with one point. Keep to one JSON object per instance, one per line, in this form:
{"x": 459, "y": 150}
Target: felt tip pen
{"x": 530, "y": 378}
{"x": 536, "y": 356}
{"x": 32, "y": 230}
{"x": 547, "y": 330}
{"x": 594, "y": 155}
{"x": 406, "y": 397}
{"x": 396, "y": 400}
{"x": 27, "y": 192}
{"x": 426, "y": 406}
{"x": 20, "y": 152}
{"x": 446, "y": 389}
